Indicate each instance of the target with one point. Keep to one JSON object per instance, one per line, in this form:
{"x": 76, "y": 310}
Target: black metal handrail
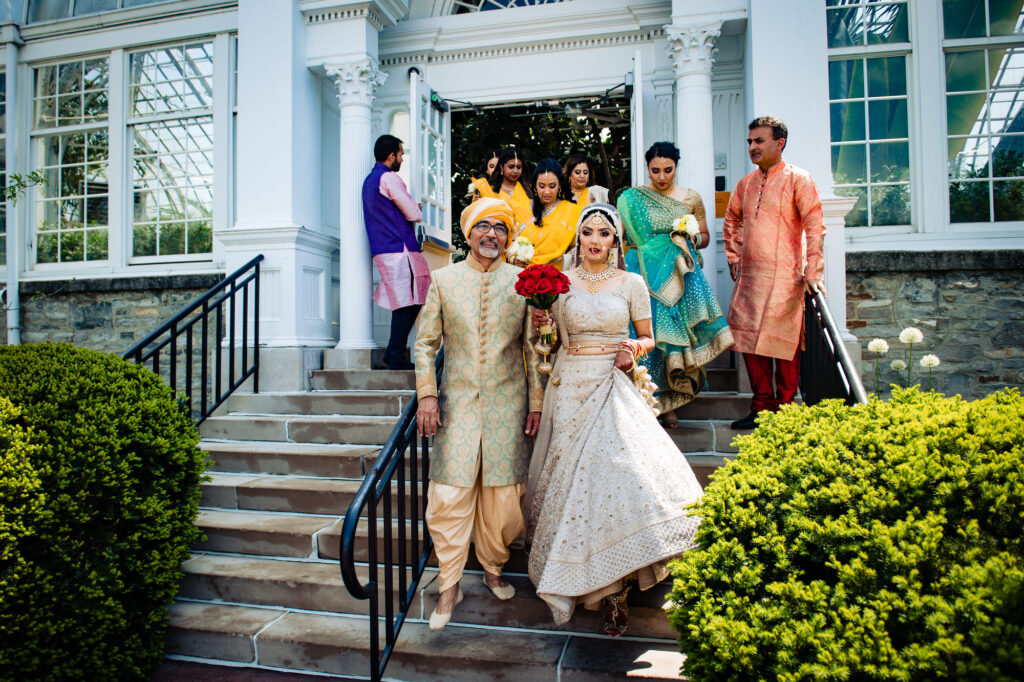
{"x": 398, "y": 458}
{"x": 826, "y": 370}
{"x": 167, "y": 337}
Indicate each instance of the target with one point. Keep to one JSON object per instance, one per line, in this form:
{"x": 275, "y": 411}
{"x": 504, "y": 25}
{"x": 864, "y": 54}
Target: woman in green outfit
{"x": 667, "y": 225}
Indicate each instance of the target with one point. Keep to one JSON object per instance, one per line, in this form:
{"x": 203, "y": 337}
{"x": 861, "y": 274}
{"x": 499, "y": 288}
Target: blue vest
{"x": 386, "y": 227}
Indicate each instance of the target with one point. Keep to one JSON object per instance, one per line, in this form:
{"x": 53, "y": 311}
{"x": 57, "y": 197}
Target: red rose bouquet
{"x": 541, "y": 285}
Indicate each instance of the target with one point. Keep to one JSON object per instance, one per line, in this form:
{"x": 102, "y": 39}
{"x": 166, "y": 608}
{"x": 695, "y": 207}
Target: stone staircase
{"x": 264, "y": 590}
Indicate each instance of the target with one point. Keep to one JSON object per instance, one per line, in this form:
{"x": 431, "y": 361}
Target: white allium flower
{"x": 880, "y": 346}
{"x": 898, "y": 365}
{"x": 930, "y": 361}
{"x": 911, "y": 335}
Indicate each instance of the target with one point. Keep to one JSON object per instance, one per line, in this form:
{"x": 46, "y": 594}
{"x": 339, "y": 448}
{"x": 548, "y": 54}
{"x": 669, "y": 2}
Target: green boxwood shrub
{"x": 98, "y": 499}
{"x": 877, "y": 542}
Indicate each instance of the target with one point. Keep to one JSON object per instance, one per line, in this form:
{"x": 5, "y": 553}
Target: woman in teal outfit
{"x": 689, "y": 329}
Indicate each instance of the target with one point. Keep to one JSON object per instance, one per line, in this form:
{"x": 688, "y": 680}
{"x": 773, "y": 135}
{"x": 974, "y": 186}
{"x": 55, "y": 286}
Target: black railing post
{"x": 379, "y": 486}
{"x": 198, "y": 314}
{"x": 826, "y": 370}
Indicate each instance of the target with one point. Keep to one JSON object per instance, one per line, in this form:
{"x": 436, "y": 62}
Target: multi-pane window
{"x": 171, "y": 131}
{"x": 71, "y": 149}
{"x": 866, "y": 22}
{"x": 869, "y": 109}
{"x": 984, "y": 75}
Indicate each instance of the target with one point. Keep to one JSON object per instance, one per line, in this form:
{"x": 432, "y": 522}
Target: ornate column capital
{"x": 357, "y": 80}
{"x": 692, "y": 47}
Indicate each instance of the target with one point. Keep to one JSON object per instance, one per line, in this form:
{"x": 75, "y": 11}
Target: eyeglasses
{"x": 484, "y": 228}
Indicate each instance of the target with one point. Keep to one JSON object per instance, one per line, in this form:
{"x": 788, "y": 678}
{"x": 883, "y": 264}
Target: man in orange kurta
{"x": 773, "y": 238}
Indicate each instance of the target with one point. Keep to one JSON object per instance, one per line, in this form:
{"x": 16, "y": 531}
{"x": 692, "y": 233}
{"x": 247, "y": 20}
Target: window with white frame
{"x": 71, "y": 149}
{"x": 983, "y": 46}
{"x": 868, "y": 53}
{"x": 171, "y": 131}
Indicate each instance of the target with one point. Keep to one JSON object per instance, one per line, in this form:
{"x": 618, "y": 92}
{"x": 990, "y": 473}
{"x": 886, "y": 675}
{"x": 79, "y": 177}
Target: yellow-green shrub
{"x": 876, "y": 542}
{"x": 97, "y": 517}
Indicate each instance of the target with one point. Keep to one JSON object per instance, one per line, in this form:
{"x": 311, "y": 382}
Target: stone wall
{"x": 968, "y": 304}
{"x": 104, "y": 314}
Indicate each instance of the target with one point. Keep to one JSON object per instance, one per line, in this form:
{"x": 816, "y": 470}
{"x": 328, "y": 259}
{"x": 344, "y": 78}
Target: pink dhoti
{"x": 404, "y": 279}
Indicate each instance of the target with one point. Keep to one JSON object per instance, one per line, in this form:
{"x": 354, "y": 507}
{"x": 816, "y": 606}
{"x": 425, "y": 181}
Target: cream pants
{"x": 491, "y": 515}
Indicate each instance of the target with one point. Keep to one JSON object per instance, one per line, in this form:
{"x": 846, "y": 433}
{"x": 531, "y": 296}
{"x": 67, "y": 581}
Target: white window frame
{"x": 929, "y": 182}
{"x": 866, "y": 51}
{"x": 54, "y": 46}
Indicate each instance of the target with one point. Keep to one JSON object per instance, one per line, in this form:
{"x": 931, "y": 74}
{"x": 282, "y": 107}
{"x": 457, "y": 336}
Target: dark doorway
{"x": 597, "y": 126}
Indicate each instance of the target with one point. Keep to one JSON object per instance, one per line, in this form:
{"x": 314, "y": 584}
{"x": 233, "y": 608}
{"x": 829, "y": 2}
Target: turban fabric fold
{"x": 485, "y": 208}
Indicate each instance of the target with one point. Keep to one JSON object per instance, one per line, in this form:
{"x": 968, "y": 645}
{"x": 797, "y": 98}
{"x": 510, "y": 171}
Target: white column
{"x": 356, "y": 82}
{"x": 692, "y": 49}
{"x": 834, "y": 210}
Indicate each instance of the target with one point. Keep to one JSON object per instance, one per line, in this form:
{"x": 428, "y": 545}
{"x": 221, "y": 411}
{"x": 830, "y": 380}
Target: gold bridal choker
{"x": 593, "y": 281}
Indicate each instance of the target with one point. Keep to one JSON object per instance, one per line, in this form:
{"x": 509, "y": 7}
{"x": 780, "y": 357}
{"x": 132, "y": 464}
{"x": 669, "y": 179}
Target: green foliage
{"x": 878, "y": 542}
{"x": 98, "y": 499}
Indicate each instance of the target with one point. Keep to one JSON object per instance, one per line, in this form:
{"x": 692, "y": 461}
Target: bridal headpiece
{"x": 600, "y": 216}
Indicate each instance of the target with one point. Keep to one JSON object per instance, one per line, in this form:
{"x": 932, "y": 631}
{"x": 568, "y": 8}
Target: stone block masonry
{"x": 109, "y": 315}
{"x": 968, "y": 304}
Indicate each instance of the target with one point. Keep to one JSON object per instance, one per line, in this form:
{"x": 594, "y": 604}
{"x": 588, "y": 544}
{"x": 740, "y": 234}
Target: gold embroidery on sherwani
{"x": 485, "y": 390}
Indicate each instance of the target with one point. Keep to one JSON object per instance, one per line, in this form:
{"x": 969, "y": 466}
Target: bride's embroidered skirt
{"x": 608, "y": 502}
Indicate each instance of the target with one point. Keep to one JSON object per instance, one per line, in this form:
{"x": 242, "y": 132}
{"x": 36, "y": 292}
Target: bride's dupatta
{"x": 543, "y": 439}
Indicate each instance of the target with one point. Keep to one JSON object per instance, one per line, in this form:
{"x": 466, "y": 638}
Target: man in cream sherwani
{"x": 488, "y": 407}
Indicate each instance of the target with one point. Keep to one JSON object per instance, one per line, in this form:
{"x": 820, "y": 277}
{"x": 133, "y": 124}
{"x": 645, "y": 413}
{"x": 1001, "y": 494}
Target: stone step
{"x": 716, "y": 405}
{"x": 362, "y": 380}
{"x": 647, "y": 617}
{"x": 722, "y": 379}
{"x": 338, "y": 645}
{"x": 369, "y": 403}
{"x": 261, "y": 533}
{"x": 356, "y": 430}
{"x": 299, "y": 494}
{"x": 317, "y": 586}
{"x": 301, "y": 459}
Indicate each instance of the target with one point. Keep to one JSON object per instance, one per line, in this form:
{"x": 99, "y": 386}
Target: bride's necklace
{"x": 593, "y": 281}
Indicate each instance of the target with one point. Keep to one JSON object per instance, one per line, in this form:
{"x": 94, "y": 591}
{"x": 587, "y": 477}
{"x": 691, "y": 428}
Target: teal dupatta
{"x": 689, "y": 328}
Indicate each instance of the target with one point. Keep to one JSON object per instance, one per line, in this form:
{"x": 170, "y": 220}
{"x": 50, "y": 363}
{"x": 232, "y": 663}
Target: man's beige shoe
{"x": 503, "y": 593}
{"x": 439, "y": 620}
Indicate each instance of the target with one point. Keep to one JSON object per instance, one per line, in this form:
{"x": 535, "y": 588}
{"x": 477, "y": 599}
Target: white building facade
{"x": 179, "y": 138}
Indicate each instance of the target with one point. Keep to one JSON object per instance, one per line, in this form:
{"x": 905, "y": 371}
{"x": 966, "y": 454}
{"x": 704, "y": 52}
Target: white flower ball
{"x": 930, "y": 361}
{"x": 880, "y": 346}
{"x": 911, "y": 335}
{"x": 898, "y": 365}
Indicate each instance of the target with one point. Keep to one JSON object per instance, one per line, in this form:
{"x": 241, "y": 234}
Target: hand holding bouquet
{"x": 541, "y": 285}
{"x": 688, "y": 225}
{"x": 520, "y": 250}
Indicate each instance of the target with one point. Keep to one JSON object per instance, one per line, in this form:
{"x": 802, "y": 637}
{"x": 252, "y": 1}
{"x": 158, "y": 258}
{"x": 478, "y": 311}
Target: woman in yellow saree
{"x": 579, "y": 170}
{"x": 505, "y": 183}
{"x": 552, "y": 225}
{"x": 477, "y": 186}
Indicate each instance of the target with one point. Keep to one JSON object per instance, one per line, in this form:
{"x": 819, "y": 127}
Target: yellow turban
{"x": 485, "y": 208}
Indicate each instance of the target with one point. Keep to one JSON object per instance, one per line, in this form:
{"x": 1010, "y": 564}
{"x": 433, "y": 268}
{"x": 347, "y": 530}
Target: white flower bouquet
{"x": 520, "y": 249}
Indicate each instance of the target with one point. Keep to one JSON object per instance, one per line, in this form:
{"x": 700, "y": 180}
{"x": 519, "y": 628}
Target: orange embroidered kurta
{"x": 774, "y": 230}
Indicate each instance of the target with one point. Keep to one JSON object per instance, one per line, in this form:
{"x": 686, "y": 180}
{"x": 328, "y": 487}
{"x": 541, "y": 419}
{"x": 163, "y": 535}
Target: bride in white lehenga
{"x": 608, "y": 487}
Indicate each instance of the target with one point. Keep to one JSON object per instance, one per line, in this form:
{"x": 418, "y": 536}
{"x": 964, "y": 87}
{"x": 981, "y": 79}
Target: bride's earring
{"x": 613, "y": 256}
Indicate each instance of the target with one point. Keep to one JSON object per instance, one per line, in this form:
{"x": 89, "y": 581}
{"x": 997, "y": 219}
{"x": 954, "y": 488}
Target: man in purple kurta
{"x": 390, "y": 215}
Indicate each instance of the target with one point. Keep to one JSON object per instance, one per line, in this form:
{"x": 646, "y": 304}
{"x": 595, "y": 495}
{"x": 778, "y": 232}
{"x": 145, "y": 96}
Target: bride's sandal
{"x": 616, "y": 614}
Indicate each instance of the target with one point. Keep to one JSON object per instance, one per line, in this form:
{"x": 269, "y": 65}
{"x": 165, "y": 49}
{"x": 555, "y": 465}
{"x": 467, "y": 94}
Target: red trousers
{"x": 787, "y": 380}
